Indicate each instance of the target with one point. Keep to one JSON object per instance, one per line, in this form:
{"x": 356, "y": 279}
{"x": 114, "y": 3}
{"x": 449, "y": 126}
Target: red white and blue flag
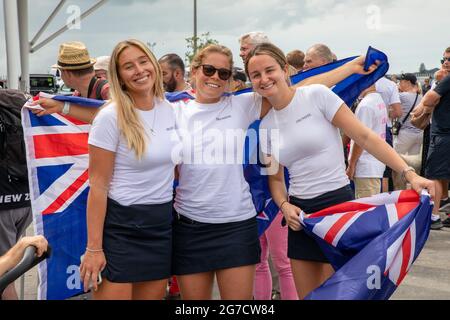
{"x": 371, "y": 243}
{"x": 57, "y": 157}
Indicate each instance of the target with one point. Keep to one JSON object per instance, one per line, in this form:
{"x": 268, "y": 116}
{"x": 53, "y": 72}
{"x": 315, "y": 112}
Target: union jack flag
{"x": 371, "y": 243}
{"x": 57, "y": 155}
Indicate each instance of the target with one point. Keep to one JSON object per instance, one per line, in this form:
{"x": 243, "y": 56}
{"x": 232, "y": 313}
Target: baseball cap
{"x": 408, "y": 77}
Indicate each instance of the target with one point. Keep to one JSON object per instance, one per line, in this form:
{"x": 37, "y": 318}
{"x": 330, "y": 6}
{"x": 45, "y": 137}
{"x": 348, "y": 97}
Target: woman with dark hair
{"x": 307, "y": 122}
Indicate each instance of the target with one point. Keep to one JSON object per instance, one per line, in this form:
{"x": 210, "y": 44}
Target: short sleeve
{"x": 395, "y": 96}
{"x": 326, "y": 100}
{"x": 443, "y": 87}
{"x": 251, "y": 104}
{"x": 364, "y": 114}
{"x": 104, "y": 131}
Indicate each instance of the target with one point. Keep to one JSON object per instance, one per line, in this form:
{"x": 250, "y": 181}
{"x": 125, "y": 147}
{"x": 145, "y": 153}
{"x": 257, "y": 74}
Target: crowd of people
{"x": 141, "y": 232}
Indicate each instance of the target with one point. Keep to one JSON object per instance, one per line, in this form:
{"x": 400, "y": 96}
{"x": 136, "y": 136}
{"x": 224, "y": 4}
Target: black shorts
{"x": 137, "y": 241}
{"x": 300, "y": 245}
{"x": 438, "y": 162}
{"x": 204, "y": 247}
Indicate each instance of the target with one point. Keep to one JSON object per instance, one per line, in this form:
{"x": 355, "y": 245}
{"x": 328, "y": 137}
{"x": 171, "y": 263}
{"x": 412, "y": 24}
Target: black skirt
{"x": 300, "y": 245}
{"x": 204, "y": 247}
{"x": 137, "y": 241}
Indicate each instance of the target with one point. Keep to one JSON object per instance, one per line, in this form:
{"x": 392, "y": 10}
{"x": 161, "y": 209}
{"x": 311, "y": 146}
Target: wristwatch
{"x": 66, "y": 108}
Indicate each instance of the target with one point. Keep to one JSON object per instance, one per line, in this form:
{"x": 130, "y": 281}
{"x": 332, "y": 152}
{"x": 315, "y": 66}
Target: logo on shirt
{"x": 223, "y": 118}
{"x": 309, "y": 115}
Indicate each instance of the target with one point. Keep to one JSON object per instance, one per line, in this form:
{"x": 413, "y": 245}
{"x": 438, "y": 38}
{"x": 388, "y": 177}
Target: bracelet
{"x": 94, "y": 250}
{"x": 281, "y": 205}
{"x": 66, "y": 108}
{"x": 405, "y": 171}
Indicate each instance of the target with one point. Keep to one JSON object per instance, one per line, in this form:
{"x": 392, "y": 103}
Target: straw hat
{"x": 74, "y": 56}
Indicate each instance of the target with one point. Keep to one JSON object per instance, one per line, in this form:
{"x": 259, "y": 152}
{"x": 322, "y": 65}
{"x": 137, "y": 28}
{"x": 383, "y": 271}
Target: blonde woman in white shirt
{"x": 129, "y": 209}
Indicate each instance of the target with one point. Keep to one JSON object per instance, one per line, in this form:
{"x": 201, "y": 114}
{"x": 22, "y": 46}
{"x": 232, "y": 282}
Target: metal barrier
{"x": 28, "y": 261}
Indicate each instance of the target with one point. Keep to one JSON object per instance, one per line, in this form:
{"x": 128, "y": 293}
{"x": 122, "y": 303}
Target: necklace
{"x": 147, "y": 123}
{"x": 153, "y": 108}
{"x": 153, "y": 122}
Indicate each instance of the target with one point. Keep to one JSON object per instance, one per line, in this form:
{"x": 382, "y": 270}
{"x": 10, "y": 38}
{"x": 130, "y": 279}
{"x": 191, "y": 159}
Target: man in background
{"x": 173, "y": 71}
{"x": 296, "y": 59}
{"x": 249, "y": 41}
{"x": 318, "y": 55}
{"x": 77, "y": 71}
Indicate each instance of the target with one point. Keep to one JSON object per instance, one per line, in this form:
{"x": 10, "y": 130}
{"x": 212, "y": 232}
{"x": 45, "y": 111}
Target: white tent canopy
{"x": 18, "y": 46}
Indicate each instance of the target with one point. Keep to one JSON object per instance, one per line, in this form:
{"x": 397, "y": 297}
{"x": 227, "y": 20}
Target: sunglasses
{"x": 445, "y": 59}
{"x": 209, "y": 71}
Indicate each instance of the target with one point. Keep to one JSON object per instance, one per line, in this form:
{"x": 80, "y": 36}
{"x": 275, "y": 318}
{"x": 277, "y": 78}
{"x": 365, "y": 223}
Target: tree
{"x": 422, "y": 68}
{"x": 202, "y": 42}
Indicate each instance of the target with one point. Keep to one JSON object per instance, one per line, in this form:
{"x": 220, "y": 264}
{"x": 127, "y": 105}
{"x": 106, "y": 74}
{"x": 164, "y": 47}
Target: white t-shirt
{"x": 373, "y": 113}
{"x": 212, "y": 187}
{"x": 145, "y": 181}
{"x": 389, "y": 92}
{"x": 407, "y": 99}
{"x": 309, "y": 146}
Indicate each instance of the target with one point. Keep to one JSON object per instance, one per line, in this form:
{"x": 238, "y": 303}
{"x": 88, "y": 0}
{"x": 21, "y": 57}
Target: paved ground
{"x": 429, "y": 279}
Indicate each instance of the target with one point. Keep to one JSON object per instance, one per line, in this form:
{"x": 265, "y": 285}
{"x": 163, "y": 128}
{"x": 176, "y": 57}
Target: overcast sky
{"x": 409, "y": 31}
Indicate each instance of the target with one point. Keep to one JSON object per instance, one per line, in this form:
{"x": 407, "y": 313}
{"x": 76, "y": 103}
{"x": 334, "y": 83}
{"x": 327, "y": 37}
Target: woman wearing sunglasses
{"x": 310, "y": 147}
{"x": 215, "y": 229}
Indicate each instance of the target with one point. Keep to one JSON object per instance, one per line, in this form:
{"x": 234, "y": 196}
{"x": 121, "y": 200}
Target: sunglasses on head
{"x": 209, "y": 71}
{"x": 445, "y": 59}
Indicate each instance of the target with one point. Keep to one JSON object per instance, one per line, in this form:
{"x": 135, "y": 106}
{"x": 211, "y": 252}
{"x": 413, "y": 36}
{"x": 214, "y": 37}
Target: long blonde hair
{"x": 129, "y": 122}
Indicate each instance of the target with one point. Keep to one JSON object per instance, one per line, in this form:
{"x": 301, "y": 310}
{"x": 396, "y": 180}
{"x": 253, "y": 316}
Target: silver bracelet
{"x": 404, "y": 171}
{"x": 94, "y": 251}
{"x": 66, "y": 108}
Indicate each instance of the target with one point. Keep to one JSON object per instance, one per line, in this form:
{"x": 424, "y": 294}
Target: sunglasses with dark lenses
{"x": 209, "y": 71}
{"x": 445, "y": 59}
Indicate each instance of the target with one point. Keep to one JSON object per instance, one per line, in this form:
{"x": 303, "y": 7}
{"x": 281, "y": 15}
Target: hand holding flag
{"x": 385, "y": 232}
{"x": 292, "y": 214}
{"x": 44, "y": 105}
